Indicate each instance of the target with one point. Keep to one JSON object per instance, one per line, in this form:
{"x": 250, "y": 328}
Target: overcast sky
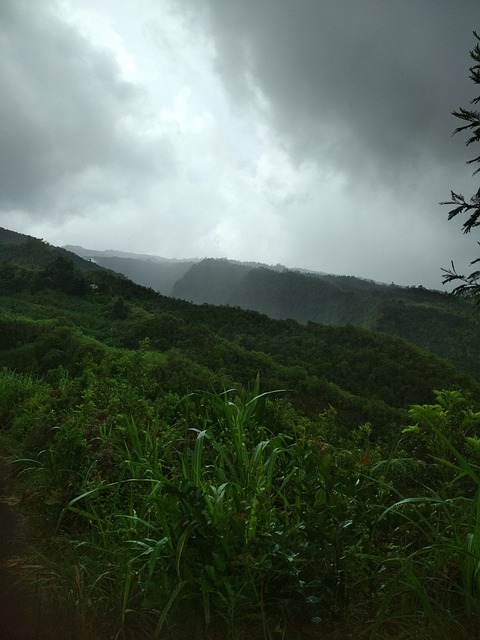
{"x": 312, "y": 133}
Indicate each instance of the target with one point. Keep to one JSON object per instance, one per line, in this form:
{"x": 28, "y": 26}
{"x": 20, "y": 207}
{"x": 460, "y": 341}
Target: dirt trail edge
{"x": 20, "y": 617}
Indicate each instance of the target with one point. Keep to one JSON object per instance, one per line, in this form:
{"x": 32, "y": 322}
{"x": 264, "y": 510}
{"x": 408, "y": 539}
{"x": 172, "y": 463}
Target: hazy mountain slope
{"x": 160, "y": 277}
{"x": 211, "y": 281}
{"x": 294, "y": 295}
{"x": 112, "y": 253}
{"x": 155, "y": 272}
{"x": 432, "y": 320}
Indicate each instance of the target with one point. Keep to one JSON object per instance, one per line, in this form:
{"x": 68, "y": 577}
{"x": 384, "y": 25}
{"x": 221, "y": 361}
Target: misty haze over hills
{"x": 164, "y": 274}
{"x": 432, "y": 320}
{"x": 160, "y": 274}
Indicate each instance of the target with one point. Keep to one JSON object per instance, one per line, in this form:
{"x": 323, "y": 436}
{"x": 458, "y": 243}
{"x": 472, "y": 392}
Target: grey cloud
{"x": 369, "y": 84}
{"x": 61, "y": 112}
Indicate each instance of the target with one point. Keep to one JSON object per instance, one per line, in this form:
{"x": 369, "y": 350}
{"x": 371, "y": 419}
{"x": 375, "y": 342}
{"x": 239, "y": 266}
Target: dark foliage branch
{"x": 469, "y": 284}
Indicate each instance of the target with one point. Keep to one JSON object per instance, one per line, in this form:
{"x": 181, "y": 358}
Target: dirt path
{"x": 19, "y": 613}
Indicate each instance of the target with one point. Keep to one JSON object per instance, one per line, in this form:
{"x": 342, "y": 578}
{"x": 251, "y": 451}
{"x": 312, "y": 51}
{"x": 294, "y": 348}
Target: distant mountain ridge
{"x": 112, "y": 253}
{"x": 433, "y": 320}
{"x": 158, "y": 273}
{"x": 155, "y": 272}
{"x": 144, "y": 268}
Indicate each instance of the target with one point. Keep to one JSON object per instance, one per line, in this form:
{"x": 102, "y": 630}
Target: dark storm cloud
{"x": 366, "y": 85}
{"x": 61, "y": 113}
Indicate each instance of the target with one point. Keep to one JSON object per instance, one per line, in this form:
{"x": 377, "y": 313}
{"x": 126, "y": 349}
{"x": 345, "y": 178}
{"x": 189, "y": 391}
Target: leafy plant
{"x": 434, "y": 565}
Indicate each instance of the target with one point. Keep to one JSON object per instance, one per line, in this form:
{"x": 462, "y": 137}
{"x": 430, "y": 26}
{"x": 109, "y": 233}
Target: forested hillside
{"x": 249, "y": 468}
{"x": 433, "y": 320}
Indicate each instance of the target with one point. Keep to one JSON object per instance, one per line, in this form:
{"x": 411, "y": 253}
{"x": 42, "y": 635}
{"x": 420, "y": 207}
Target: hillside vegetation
{"x": 272, "y": 478}
{"x": 434, "y": 321}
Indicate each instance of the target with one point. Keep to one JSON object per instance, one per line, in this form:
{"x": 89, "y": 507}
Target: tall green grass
{"x": 22, "y": 398}
{"x": 212, "y": 524}
{"x": 204, "y": 522}
{"x": 433, "y": 584}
